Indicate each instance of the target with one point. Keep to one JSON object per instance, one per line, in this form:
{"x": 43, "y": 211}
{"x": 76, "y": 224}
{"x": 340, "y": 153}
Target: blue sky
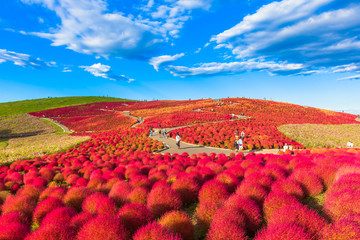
{"x": 299, "y": 51}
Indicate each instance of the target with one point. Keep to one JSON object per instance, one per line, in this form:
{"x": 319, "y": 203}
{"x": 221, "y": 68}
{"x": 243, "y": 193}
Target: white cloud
{"x": 356, "y": 77}
{"x": 87, "y": 26}
{"x": 215, "y": 68}
{"x": 67, "y": 69}
{"x": 104, "y": 71}
{"x": 346, "y": 68}
{"x": 24, "y": 60}
{"x": 318, "y": 33}
{"x": 157, "y": 61}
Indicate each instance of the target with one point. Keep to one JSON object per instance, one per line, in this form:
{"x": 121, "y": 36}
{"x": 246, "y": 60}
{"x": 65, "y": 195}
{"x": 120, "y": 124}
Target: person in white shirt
{"x": 286, "y": 147}
{"x": 240, "y": 143}
{"x": 350, "y": 144}
{"x": 178, "y": 139}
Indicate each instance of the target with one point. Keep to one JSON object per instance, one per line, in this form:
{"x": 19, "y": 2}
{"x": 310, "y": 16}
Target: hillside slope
{"x": 13, "y": 108}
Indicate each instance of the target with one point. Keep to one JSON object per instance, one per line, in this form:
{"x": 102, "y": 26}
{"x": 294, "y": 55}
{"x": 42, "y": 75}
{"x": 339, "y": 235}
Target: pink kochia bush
{"x": 311, "y": 183}
{"x": 99, "y": 203}
{"x": 103, "y": 227}
{"x": 213, "y": 191}
{"x": 287, "y": 231}
{"x": 134, "y": 215}
{"x": 341, "y": 230}
{"x": 187, "y": 187}
{"x": 162, "y": 199}
{"x": 52, "y": 231}
{"x": 178, "y": 222}
{"x": 154, "y": 231}
{"x": 44, "y": 207}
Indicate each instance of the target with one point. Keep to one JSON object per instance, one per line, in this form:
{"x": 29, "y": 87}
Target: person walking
{"x": 178, "y": 139}
{"x": 164, "y": 133}
{"x": 240, "y": 144}
{"x": 151, "y": 130}
{"x": 159, "y": 125}
{"x": 236, "y": 144}
{"x": 160, "y": 132}
{"x": 242, "y": 136}
{"x": 350, "y": 144}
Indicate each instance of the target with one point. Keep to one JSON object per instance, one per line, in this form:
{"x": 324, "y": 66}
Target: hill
{"x": 26, "y": 106}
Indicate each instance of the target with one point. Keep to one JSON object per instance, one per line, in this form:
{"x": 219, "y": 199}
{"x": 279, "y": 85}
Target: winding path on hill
{"x": 63, "y": 127}
{"x": 170, "y": 143}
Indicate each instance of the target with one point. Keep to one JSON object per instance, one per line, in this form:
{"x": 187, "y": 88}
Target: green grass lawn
{"x": 13, "y": 108}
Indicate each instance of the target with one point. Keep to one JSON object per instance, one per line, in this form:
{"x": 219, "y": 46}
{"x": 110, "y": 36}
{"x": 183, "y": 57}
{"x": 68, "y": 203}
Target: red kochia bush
{"x": 310, "y": 183}
{"x": 154, "y": 231}
{"x": 343, "y": 203}
{"x": 138, "y": 195}
{"x": 140, "y": 181}
{"x": 204, "y": 214}
{"x": 119, "y": 192}
{"x": 99, "y": 203}
{"x": 134, "y": 215}
{"x": 47, "y": 173}
{"x": 163, "y": 199}
{"x": 252, "y": 190}
{"x": 61, "y": 215}
{"x": 187, "y": 187}
{"x": 80, "y": 219}
{"x": 56, "y": 192}
{"x": 103, "y": 227}
{"x": 178, "y": 222}
{"x": 289, "y": 186}
{"x": 213, "y": 191}
{"x": 287, "y": 231}
{"x": 44, "y": 207}
{"x": 53, "y": 231}
{"x": 277, "y": 200}
{"x": 11, "y": 217}
{"x": 21, "y": 203}
{"x": 229, "y": 180}
{"x": 301, "y": 216}
{"x": 13, "y": 231}
{"x": 226, "y": 230}
{"x": 341, "y": 230}
{"x": 75, "y": 197}
{"x": 249, "y": 208}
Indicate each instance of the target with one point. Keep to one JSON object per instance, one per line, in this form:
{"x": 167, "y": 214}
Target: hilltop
{"x": 35, "y": 105}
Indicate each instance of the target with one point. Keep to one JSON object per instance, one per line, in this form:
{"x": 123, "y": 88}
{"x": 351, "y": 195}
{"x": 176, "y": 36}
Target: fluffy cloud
{"x": 318, "y": 33}
{"x": 211, "y": 69}
{"x": 157, "y": 61}
{"x": 87, "y": 26}
{"x": 24, "y": 60}
{"x": 104, "y": 71}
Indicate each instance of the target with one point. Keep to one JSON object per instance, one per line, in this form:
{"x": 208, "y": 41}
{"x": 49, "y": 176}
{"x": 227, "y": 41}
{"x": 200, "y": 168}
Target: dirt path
{"x": 64, "y": 128}
{"x": 171, "y": 147}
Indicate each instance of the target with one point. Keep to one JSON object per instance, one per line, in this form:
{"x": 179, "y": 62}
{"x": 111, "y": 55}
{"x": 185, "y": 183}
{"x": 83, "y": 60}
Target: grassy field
{"x": 327, "y": 136}
{"x": 23, "y": 125}
{"x": 13, "y": 108}
{"x": 29, "y": 147}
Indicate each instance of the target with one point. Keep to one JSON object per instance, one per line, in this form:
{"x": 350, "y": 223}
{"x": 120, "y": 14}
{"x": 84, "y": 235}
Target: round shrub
{"x": 277, "y": 200}
{"x": 103, "y": 227}
{"x": 80, "y": 219}
{"x": 31, "y": 191}
{"x": 140, "y": 181}
{"x": 99, "y": 203}
{"x": 204, "y": 214}
{"x": 252, "y": 190}
{"x": 161, "y": 200}
{"x": 249, "y": 208}
{"x": 56, "y": 192}
{"x": 134, "y": 216}
{"x": 154, "y": 231}
{"x": 119, "y": 192}
{"x": 275, "y": 171}
{"x": 342, "y": 203}
{"x": 341, "y": 230}
{"x": 20, "y": 203}
{"x": 187, "y": 188}
{"x": 229, "y": 180}
{"x": 288, "y": 186}
{"x": 213, "y": 191}
{"x": 44, "y": 207}
{"x": 287, "y": 231}
{"x": 17, "y": 217}
{"x": 301, "y": 216}
{"x": 53, "y": 231}
{"x": 226, "y": 230}
{"x": 138, "y": 195}
{"x": 310, "y": 183}
{"x": 13, "y": 231}
{"x": 60, "y": 216}
{"x": 75, "y": 197}
{"x": 47, "y": 173}
{"x": 178, "y": 222}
